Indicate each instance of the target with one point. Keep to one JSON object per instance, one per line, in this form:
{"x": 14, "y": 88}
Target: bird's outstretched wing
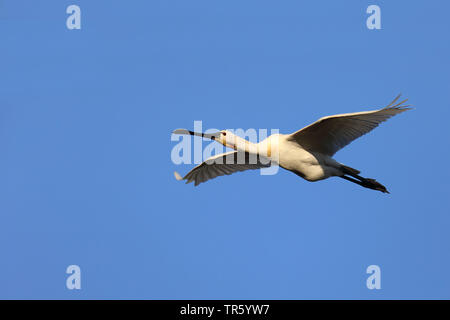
{"x": 330, "y": 134}
{"x": 224, "y": 164}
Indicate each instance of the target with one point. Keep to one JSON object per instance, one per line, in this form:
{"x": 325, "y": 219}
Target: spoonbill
{"x": 307, "y": 153}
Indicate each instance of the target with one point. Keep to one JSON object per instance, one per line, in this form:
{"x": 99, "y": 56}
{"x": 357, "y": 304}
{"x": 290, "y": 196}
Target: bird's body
{"x": 311, "y": 166}
{"x": 307, "y": 152}
{"x": 289, "y": 155}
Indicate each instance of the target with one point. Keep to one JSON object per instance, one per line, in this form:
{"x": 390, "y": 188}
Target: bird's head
{"x": 228, "y": 139}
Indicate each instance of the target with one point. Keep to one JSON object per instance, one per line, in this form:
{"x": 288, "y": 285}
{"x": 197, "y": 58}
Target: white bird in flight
{"x": 307, "y": 152}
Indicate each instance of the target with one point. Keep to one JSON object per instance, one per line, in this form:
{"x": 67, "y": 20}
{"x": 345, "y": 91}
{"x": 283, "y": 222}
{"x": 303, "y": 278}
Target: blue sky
{"x": 87, "y": 178}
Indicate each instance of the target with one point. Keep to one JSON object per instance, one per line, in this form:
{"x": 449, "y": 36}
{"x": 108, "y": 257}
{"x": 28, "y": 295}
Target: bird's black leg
{"x": 367, "y": 183}
{"x": 352, "y": 180}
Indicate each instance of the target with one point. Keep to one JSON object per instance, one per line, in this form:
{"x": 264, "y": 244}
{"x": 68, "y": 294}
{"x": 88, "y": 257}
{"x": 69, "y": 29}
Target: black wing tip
{"x": 398, "y": 106}
{"x": 401, "y": 108}
{"x": 180, "y": 178}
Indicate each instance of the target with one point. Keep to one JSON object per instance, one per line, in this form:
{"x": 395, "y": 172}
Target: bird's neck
{"x": 269, "y": 147}
{"x": 266, "y": 148}
{"x": 246, "y": 146}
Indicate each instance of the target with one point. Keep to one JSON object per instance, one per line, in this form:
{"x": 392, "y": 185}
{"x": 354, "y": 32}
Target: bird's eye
{"x": 224, "y": 133}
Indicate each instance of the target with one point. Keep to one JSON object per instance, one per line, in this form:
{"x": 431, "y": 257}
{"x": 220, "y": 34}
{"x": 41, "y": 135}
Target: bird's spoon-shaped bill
{"x": 199, "y": 134}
